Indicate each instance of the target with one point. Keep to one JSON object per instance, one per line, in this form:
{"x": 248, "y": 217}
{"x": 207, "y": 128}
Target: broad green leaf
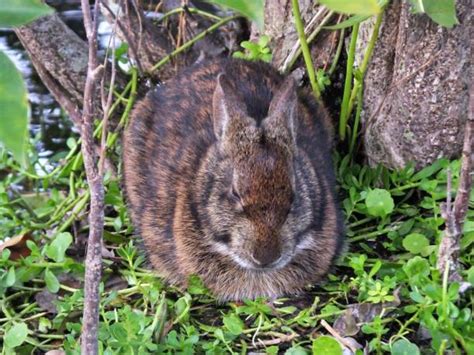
{"x": 233, "y": 323}
{"x": 57, "y": 249}
{"x": 404, "y": 347}
{"x": 379, "y": 202}
{"x": 356, "y": 7}
{"x": 16, "y": 335}
{"x": 443, "y": 12}
{"x": 417, "y": 266}
{"x": 19, "y": 12}
{"x": 415, "y": 243}
{"x": 252, "y": 9}
{"x": 14, "y": 109}
{"x": 326, "y": 345}
{"x": 51, "y": 281}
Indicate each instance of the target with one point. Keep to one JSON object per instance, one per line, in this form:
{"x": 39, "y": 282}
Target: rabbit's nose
{"x": 265, "y": 256}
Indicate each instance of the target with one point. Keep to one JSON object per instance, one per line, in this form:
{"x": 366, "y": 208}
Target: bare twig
{"x": 280, "y": 338}
{"x": 93, "y": 272}
{"x": 338, "y": 336}
{"x": 107, "y": 103}
{"x": 455, "y": 213}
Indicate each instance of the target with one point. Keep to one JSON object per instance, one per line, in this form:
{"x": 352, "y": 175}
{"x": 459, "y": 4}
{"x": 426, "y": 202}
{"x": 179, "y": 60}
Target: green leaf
{"x": 359, "y": 7}
{"x": 20, "y": 12}
{"x": 404, "y": 347}
{"x": 351, "y": 21}
{"x": 10, "y": 279}
{"x": 52, "y": 282}
{"x": 417, "y": 266}
{"x": 415, "y": 243}
{"x": 430, "y": 170}
{"x": 252, "y": 9}
{"x": 443, "y": 12}
{"x": 233, "y": 323}
{"x": 296, "y": 350}
{"x": 57, "y": 249}
{"x": 379, "y": 202}
{"x": 16, "y": 335}
{"x": 14, "y": 104}
{"x": 326, "y": 345}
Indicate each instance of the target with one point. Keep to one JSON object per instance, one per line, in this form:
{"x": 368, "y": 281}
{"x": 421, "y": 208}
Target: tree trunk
{"x": 416, "y": 89}
{"x": 416, "y": 93}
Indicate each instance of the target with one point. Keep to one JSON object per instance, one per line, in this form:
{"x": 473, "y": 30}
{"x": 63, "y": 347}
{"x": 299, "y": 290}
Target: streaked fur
{"x": 192, "y": 139}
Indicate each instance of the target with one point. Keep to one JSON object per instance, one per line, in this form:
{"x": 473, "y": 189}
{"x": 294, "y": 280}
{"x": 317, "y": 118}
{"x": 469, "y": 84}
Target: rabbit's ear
{"x": 225, "y": 106}
{"x": 283, "y": 108}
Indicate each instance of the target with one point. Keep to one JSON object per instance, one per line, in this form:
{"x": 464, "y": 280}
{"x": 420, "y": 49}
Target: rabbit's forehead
{"x": 263, "y": 168}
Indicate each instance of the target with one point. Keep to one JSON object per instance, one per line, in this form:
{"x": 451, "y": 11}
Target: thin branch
{"x": 455, "y": 213}
{"x": 93, "y": 271}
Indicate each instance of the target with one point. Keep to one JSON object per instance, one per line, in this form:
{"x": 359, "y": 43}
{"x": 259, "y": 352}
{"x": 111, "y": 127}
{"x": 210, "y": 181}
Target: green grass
{"x": 386, "y": 282}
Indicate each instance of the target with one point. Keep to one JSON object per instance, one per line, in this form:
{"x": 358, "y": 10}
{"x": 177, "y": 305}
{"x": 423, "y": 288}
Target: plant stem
{"x": 305, "y": 50}
{"x": 365, "y": 61}
{"x": 348, "y": 83}
{"x": 192, "y": 41}
{"x": 337, "y": 54}
{"x": 355, "y": 129}
{"x": 295, "y": 52}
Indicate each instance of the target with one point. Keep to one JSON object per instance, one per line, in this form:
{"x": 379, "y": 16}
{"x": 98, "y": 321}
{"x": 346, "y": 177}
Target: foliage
{"x": 13, "y": 95}
{"x": 15, "y": 13}
{"x": 255, "y": 50}
{"x": 14, "y": 104}
{"x": 252, "y": 9}
{"x": 359, "y": 7}
{"x": 391, "y": 260}
{"x": 442, "y": 12}
{"x": 386, "y": 288}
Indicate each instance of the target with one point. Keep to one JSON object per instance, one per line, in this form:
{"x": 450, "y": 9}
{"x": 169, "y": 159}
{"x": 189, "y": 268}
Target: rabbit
{"x": 228, "y": 175}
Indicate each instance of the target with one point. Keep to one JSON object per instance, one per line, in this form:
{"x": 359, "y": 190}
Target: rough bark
{"x": 60, "y": 58}
{"x": 93, "y": 272}
{"x": 417, "y": 88}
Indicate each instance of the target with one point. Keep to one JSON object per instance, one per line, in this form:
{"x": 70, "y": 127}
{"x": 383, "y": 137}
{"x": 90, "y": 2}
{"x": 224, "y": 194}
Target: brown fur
{"x": 228, "y": 175}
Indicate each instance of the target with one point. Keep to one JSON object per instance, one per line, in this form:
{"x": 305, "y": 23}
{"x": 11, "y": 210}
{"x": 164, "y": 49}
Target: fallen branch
{"x": 89, "y": 342}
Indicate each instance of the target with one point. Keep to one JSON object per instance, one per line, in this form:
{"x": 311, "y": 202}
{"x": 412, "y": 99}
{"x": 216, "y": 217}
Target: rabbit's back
{"x": 171, "y": 133}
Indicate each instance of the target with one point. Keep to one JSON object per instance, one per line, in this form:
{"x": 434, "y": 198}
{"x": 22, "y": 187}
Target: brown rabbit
{"x": 228, "y": 175}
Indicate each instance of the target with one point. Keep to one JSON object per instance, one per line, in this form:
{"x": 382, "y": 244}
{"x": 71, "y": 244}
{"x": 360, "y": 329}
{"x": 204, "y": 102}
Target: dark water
{"x": 48, "y": 123}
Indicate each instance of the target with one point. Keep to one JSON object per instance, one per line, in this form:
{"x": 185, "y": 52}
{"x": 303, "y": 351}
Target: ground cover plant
{"x": 385, "y": 294}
